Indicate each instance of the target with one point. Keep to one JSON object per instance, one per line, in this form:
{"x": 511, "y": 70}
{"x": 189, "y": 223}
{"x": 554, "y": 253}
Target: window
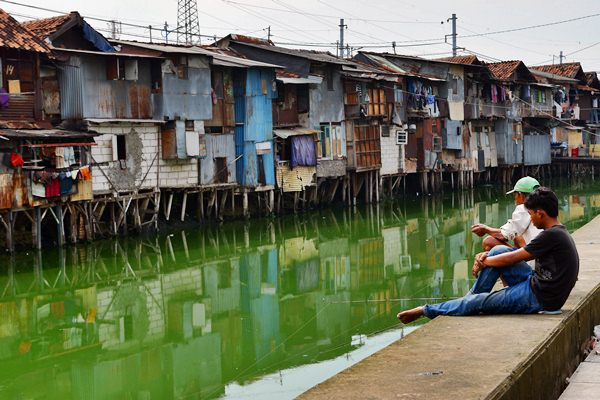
{"x": 398, "y": 95}
{"x": 437, "y": 144}
{"x": 324, "y": 144}
{"x": 182, "y": 68}
{"x": 385, "y": 131}
{"x": 121, "y": 69}
{"x": 376, "y": 102}
{"x": 434, "y": 126}
{"x": 119, "y": 147}
{"x": 221, "y": 173}
{"x": 455, "y": 85}
{"x": 329, "y": 79}
{"x": 401, "y": 137}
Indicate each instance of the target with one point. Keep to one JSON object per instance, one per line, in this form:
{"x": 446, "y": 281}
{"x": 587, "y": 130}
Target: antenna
{"x": 188, "y": 24}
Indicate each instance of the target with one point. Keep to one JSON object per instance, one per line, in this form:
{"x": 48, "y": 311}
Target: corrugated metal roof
{"x": 104, "y": 53}
{"x": 568, "y": 70}
{"x": 130, "y": 120}
{"x": 45, "y": 134}
{"x": 388, "y": 66}
{"x": 15, "y": 36}
{"x": 319, "y": 56}
{"x": 286, "y": 133}
{"x": 544, "y": 76}
{"x": 230, "y": 58}
{"x": 45, "y": 27}
{"x": 218, "y": 56}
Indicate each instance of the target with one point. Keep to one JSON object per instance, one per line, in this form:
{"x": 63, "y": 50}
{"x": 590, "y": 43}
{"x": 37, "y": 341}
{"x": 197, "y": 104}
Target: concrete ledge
{"x": 484, "y": 357}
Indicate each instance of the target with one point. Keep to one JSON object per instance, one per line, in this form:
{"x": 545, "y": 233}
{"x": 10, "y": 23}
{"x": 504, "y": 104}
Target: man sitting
{"x": 519, "y": 228}
{"x": 544, "y": 289}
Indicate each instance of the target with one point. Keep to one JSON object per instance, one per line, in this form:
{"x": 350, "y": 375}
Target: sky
{"x": 417, "y": 27}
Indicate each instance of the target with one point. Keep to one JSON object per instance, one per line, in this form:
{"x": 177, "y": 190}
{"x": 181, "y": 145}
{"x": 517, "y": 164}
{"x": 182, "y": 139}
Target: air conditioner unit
{"x": 401, "y": 137}
{"x": 437, "y": 144}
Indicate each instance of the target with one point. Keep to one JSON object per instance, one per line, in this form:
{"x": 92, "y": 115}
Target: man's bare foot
{"x": 408, "y": 316}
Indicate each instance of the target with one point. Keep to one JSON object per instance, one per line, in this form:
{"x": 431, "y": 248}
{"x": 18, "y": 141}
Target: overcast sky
{"x": 370, "y": 24}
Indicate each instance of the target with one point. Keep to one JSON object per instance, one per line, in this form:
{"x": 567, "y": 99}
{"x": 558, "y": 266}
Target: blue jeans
{"x": 516, "y": 298}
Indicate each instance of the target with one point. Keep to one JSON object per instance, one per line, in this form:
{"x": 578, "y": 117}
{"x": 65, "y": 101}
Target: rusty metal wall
{"x": 452, "y": 135}
{"x": 509, "y": 151}
{"x": 70, "y": 79}
{"x": 536, "y": 149}
{"x": 218, "y": 145}
{"x": 185, "y": 98}
{"x": 104, "y": 98}
{"x": 295, "y": 179}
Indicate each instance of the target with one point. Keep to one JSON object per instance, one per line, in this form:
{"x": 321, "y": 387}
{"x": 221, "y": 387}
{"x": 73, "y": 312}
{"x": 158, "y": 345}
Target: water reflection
{"x": 183, "y": 315}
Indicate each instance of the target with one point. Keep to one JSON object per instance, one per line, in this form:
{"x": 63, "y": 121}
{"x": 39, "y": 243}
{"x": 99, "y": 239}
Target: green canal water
{"x": 257, "y": 309}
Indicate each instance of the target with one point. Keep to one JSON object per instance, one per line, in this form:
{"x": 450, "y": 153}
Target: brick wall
{"x": 142, "y": 147}
{"x": 390, "y": 155}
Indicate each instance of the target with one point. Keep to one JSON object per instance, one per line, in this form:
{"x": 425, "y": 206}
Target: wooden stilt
{"x": 37, "y": 228}
{"x": 60, "y": 225}
{"x": 184, "y": 206}
{"x": 377, "y": 186}
{"x": 245, "y": 203}
{"x": 169, "y": 205}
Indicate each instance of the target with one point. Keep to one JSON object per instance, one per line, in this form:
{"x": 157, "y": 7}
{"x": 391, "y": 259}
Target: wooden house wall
{"x": 285, "y": 106}
{"x": 20, "y": 77}
{"x": 223, "y": 103}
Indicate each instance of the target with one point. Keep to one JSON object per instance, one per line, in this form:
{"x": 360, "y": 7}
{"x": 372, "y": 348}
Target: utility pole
{"x": 269, "y": 32}
{"x": 394, "y": 46}
{"x": 561, "y": 57}
{"x": 342, "y": 27}
{"x": 115, "y": 29}
{"x": 454, "y": 48}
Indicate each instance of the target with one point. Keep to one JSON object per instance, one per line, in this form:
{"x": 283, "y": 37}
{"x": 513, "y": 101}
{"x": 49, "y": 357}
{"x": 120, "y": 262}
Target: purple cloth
{"x": 304, "y": 151}
{"x": 4, "y": 98}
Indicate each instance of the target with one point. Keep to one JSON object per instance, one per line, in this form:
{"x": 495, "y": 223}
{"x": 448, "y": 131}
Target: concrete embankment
{"x": 484, "y": 357}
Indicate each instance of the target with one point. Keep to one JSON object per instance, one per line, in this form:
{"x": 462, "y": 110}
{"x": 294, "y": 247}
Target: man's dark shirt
{"x": 556, "y": 266}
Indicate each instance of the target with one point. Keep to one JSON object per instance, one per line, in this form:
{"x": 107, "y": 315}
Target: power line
{"x": 330, "y": 16}
{"x": 532, "y": 26}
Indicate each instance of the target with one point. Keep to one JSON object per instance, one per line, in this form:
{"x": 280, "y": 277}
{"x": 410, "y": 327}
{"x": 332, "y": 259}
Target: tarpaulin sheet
{"x": 304, "y": 151}
{"x": 91, "y": 35}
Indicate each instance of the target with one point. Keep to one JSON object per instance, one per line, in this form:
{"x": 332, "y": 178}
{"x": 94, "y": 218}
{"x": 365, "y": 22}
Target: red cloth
{"x": 53, "y": 188}
{"x": 16, "y": 160}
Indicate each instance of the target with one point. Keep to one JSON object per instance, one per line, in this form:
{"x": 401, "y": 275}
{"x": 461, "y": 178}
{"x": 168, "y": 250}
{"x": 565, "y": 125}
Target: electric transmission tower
{"x": 188, "y": 25}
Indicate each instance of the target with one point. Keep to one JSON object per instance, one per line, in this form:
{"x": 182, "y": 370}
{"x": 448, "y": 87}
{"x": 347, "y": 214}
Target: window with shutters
{"x": 376, "y": 102}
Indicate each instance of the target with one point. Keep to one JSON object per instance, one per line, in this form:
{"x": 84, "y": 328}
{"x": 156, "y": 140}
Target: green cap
{"x": 526, "y": 184}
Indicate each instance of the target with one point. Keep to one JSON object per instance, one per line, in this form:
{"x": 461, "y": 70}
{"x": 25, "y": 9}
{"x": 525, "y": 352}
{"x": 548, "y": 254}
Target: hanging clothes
{"x": 86, "y": 173}
{"x": 53, "y": 188}
{"x": 525, "y": 92}
{"x": 494, "y": 94}
{"x": 502, "y": 93}
{"x": 70, "y": 156}
{"x": 59, "y": 155}
{"x": 304, "y": 151}
{"x": 66, "y": 183}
